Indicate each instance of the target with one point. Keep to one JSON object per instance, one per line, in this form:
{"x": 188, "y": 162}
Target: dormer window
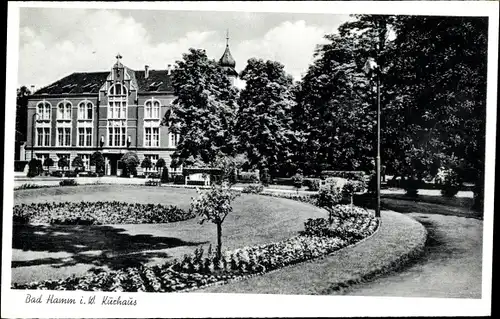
{"x": 64, "y": 111}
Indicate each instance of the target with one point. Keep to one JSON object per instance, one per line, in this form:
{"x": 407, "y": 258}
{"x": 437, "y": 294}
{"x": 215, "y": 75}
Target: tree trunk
{"x": 219, "y": 241}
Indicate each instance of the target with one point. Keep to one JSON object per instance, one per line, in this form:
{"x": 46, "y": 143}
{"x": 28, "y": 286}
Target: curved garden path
{"x": 43, "y": 252}
{"x": 450, "y": 266}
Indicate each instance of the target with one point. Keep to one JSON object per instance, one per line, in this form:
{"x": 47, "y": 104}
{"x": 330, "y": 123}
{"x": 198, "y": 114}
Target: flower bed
{"x": 350, "y": 224}
{"x": 97, "y": 213}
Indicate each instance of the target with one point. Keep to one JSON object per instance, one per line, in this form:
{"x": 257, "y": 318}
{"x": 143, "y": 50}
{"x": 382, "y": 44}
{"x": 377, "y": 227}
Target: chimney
{"x": 32, "y": 88}
{"x": 146, "y": 71}
{"x": 169, "y": 68}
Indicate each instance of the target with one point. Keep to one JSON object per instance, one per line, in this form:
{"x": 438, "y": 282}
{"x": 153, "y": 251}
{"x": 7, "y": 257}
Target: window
{"x": 64, "y": 136}
{"x": 117, "y": 103}
{"x": 64, "y": 111}
{"x": 173, "y": 139}
{"x": 85, "y": 110}
{"x": 153, "y": 158}
{"x": 42, "y": 156}
{"x": 152, "y": 109}
{"x": 117, "y": 135}
{"x": 43, "y": 136}
{"x": 43, "y": 110}
{"x": 86, "y": 160}
{"x": 152, "y": 137}
{"x": 84, "y": 136}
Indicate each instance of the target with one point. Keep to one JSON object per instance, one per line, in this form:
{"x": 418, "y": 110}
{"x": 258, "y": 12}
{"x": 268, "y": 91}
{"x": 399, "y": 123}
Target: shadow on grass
{"x": 402, "y": 204}
{"x": 93, "y": 245}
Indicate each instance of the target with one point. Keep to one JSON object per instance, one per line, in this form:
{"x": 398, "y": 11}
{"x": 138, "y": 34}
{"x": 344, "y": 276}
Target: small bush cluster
{"x": 248, "y": 177}
{"x": 151, "y": 183}
{"x": 253, "y": 189}
{"x": 411, "y": 187}
{"x": 352, "y": 175}
{"x": 68, "y": 182}
{"x": 312, "y": 184}
{"x": 97, "y": 213}
{"x": 451, "y": 184}
{"x": 29, "y": 186}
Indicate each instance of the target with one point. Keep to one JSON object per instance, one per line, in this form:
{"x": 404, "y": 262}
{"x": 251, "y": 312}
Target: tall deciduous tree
{"x": 21, "y": 116}
{"x": 204, "y": 111}
{"x": 264, "y": 124}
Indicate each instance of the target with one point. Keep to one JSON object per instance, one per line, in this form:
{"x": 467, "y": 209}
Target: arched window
{"x": 85, "y": 110}
{"x": 117, "y": 102}
{"x": 117, "y": 115}
{"x": 64, "y": 110}
{"x": 43, "y": 110}
{"x": 152, "y": 109}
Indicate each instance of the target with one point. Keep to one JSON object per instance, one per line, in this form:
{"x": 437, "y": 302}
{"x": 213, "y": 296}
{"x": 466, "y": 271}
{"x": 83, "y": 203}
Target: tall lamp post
{"x": 371, "y": 68}
{"x": 33, "y": 118}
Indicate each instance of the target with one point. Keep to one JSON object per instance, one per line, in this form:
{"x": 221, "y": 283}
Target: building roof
{"x": 91, "y": 82}
{"x": 86, "y": 82}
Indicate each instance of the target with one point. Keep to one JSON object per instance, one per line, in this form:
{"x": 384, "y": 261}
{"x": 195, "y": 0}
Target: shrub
{"x": 178, "y": 179}
{"x": 352, "y": 187}
{"x": 313, "y": 184}
{"x": 352, "y": 175}
{"x": 20, "y": 165}
{"x": 151, "y": 183}
{"x": 451, "y": 184}
{"x": 328, "y": 198}
{"x": 253, "y": 189}
{"x": 98, "y": 213}
{"x": 297, "y": 180}
{"x": 411, "y": 187}
{"x": 34, "y": 167}
{"x": 48, "y": 162}
{"x": 63, "y": 162}
{"x": 29, "y": 186}
{"x": 265, "y": 177}
{"x": 146, "y": 163}
{"x": 78, "y": 163}
{"x": 164, "y": 175}
{"x": 130, "y": 162}
{"x": 68, "y": 182}
{"x": 248, "y": 177}
{"x": 97, "y": 160}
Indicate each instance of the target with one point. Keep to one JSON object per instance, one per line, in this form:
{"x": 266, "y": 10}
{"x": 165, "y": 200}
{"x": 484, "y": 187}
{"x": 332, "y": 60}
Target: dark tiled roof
{"x": 158, "y": 80}
{"x": 76, "y": 83}
{"x": 91, "y": 82}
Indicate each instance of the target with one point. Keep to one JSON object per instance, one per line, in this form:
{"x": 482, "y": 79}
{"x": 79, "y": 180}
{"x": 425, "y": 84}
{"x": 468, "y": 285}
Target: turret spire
{"x": 227, "y": 38}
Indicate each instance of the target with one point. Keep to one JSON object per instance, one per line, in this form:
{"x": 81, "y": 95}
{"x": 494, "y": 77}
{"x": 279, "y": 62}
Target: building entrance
{"x": 112, "y": 163}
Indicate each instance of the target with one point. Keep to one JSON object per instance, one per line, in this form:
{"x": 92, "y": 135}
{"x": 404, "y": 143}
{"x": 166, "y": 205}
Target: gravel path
{"x": 450, "y": 266}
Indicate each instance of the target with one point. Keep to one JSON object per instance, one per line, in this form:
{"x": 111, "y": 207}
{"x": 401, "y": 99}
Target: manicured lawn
{"x": 52, "y": 252}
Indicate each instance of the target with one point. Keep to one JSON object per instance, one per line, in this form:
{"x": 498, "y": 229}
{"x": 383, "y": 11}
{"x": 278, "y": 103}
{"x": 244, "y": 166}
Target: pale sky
{"x": 57, "y": 42}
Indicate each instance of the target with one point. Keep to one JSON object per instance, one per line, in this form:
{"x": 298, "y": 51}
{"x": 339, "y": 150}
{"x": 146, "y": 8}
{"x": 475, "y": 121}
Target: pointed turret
{"x": 227, "y": 61}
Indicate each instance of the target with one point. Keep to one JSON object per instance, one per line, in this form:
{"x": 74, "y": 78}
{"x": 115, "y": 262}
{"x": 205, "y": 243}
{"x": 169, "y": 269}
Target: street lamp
{"x": 370, "y": 68}
{"x": 33, "y": 133}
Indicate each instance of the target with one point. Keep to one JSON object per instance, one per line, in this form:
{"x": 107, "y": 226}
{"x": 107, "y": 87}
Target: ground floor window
{"x": 86, "y": 160}
{"x": 84, "y": 136}
{"x": 153, "y": 158}
{"x": 152, "y": 136}
{"x": 117, "y": 136}
{"x": 63, "y": 136}
{"x": 43, "y": 136}
{"x": 67, "y": 162}
{"x": 173, "y": 139}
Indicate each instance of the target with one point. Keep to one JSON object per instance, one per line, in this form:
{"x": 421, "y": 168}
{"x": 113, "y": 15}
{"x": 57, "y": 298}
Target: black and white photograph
{"x": 249, "y": 159}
